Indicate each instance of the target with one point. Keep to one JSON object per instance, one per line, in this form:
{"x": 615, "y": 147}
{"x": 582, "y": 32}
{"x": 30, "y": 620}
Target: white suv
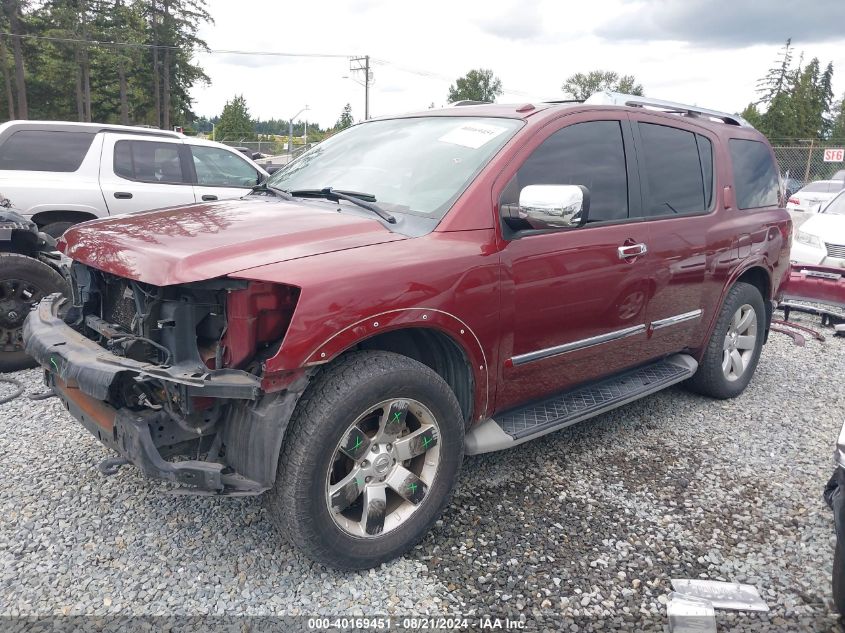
{"x": 59, "y": 174}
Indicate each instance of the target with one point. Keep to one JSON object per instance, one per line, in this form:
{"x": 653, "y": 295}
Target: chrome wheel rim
{"x": 740, "y": 341}
{"x": 383, "y": 467}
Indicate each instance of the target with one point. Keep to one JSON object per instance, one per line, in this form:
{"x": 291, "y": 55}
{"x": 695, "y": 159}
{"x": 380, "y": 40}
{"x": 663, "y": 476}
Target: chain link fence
{"x": 806, "y": 160}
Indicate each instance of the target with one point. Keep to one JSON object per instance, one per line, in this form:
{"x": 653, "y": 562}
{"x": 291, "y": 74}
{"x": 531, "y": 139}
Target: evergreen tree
{"x": 235, "y": 123}
{"x": 345, "y": 119}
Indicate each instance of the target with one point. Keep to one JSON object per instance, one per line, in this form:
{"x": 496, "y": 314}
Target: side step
{"x": 534, "y": 420}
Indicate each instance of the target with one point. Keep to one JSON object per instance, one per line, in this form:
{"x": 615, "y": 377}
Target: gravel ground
{"x": 581, "y": 531}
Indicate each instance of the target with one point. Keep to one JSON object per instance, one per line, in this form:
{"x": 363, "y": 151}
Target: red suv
{"x": 413, "y": 289}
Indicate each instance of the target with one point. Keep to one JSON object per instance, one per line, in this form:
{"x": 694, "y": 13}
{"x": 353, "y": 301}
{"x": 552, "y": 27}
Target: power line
{"x": 225, "y": 51}
{"x": 71, "y": 40}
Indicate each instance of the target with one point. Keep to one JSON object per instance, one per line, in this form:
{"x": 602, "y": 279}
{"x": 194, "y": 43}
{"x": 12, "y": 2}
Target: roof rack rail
{"x": 618, "y": 98}
{"x": 467, "y": 102}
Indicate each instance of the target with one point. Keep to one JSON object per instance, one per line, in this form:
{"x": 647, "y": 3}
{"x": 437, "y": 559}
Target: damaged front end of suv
{"x": 171, "y": 377}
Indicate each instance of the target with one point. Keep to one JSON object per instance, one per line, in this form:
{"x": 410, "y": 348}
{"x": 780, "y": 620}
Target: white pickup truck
{"x": 59, "y": 174}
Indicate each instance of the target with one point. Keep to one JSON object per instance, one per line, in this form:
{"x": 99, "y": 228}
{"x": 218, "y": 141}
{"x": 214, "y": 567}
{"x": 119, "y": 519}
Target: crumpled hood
{"x": 203, "y": 241}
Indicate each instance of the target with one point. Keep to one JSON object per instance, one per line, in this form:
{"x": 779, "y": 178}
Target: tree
{"x": 235, "y": 123}
{"x": 778, "y": 77}
{"x": 345, "y": 119}
{"x": 581, "y": 86}
{"x": 12, "y": 10}
{"x": 837, "y": 120}
{"x": 477, "y": 85}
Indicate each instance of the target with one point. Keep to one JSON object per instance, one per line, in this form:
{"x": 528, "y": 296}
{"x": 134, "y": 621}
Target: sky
{"x": 704, "y": 52}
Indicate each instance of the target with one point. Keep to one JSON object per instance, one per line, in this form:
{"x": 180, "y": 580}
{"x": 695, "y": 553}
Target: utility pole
{"x": 357, "y": 64}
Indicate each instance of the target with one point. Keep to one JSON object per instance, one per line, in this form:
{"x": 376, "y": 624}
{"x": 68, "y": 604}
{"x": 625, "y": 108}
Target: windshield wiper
{"x": 264, "y": 187}
{"x": 363, "y": 200}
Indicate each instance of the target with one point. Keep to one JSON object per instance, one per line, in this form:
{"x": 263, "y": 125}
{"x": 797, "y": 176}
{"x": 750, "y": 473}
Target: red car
{"x": 413, "y": 289}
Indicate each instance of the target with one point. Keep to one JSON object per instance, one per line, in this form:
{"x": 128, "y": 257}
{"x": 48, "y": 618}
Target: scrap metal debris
{"x": 815, "y": 333}
{"x": 688, "y": 614}
{"x": 722, "y": 595}
{"x": 798, "y": 339}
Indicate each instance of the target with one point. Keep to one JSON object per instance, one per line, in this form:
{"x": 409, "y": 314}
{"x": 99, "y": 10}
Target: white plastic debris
{"x": 688, "y": 614}
{"x": 722, "y": 595}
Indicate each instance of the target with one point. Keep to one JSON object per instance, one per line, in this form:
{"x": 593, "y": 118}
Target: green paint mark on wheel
{"x": 412, "y": 488}
{"x": 53, "y": 363}
{"x": 358, "y": 443}
{"x": 426, "y": 441}
{"x": 397, "y": 416}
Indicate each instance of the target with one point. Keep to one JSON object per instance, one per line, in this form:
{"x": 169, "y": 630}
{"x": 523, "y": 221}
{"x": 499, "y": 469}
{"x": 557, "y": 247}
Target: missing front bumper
{"x": 78, "y": 360}
{"x": 129, "y": 434}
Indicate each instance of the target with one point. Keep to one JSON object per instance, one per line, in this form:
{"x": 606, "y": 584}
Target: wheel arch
{"x": 436, "y": 338}
{"x": 761, "y": 279}
{"x": 755, "y": 274}
{"x": 437, "y": 350}
{"x": 43, "y": 218}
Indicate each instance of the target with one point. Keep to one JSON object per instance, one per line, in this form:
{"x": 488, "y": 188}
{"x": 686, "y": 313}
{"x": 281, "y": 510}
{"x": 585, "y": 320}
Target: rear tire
{"x": 731, "y": 355}
{"x": 330, "y": 412}
{"x": 839, "y": 579}
{"x": 24, "y": 281}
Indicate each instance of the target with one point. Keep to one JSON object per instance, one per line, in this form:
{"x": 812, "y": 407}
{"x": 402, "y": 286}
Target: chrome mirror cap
{"x": 554, "y": 206}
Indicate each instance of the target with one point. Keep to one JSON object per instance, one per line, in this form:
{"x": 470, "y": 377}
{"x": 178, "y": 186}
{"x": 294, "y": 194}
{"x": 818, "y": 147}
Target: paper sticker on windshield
{"x": 472, "y": 135}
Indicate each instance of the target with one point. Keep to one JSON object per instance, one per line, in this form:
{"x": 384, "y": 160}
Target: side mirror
{"x": 551, "y": 206}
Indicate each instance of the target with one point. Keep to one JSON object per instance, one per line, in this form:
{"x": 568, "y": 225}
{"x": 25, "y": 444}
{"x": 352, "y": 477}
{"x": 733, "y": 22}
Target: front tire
{"x": 24, "y": 281}
{"x": 733, "y": 350}
{"x": 369, "y": 460}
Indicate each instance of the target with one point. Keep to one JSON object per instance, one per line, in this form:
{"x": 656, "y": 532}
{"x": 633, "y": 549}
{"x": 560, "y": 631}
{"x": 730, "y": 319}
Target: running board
{"x": 537, "y": 419}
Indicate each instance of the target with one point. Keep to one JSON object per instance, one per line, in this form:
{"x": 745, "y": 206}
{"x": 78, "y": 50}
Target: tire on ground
{"x": 37, "y": 273}
{"x": 297, "y": 504}
{"x": 710, "y": 379}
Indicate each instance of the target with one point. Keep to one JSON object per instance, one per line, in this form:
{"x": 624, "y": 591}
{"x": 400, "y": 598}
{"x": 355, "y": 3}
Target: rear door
{"x": 687, "y": 245}
{"x": 137, "y": 174}
{"x": 222, "y": 173}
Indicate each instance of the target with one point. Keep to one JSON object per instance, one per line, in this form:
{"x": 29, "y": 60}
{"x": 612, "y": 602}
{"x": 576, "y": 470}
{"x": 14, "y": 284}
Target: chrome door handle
{"x": 634, "y": 250}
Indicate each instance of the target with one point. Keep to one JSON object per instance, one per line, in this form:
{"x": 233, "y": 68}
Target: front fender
{"x": 403, "y": 318}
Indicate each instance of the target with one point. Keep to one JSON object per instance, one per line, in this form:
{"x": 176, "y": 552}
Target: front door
{"x": 576, "y": 298}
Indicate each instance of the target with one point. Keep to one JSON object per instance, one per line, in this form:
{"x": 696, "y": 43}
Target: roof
{"x": 70, "y": 126}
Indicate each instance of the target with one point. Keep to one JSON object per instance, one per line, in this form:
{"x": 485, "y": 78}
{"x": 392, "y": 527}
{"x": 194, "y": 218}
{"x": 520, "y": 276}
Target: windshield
{"x": 836, "y": 206}
{"x": 416, "y": 165}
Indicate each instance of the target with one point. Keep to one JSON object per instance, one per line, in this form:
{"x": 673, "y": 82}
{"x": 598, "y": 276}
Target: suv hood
{"x": 203, "y": 241}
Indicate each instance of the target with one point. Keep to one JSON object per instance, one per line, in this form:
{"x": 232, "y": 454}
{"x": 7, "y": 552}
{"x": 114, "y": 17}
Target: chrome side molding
{"x": 576, "y": 345}
{"x": 592, "y": 341}
{"x": 674, "y": 320}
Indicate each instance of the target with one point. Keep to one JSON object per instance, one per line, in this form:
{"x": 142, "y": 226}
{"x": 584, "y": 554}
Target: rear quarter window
{"x": 45, "y": 150}
{"x": 755, "y": 174}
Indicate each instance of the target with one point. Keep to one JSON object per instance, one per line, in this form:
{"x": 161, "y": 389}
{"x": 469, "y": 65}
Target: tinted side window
{"x": 755, "y": 175}
{"x": 45, "y": 150}
{"x": 674, "y": 179}
{"x": 590, "y": 154}
{"x": 149, "y": 161}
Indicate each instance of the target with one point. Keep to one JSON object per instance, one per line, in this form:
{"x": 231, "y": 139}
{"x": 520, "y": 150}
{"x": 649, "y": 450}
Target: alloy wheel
{"x": 383, "y": 467}
{"x": 740, "y": 342}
